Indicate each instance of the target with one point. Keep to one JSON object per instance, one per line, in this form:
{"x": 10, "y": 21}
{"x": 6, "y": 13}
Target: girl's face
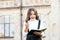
{"x": 32, "y": 15}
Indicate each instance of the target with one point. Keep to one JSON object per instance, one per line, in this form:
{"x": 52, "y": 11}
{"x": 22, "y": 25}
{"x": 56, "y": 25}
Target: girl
{"x": 32, "y": 21}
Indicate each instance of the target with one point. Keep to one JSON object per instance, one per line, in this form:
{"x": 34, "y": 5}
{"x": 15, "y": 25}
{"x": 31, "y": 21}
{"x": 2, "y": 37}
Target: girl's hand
{"x": 27, "y": 24}
{"x": 26, "y": 27}
{"x": 37, "y": 33}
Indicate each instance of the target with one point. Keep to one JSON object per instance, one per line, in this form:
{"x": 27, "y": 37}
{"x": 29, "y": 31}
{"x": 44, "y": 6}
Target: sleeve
{"x": 24, "y": 33}
{"x": 43, "y": 26}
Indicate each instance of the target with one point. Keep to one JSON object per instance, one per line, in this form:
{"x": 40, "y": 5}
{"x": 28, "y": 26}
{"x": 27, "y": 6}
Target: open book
{"x": 31, "y": 32}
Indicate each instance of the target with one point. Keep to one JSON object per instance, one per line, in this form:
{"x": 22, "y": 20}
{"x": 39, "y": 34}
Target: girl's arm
{"x": 24, "y": 31}
{"x": 26, "y": 27}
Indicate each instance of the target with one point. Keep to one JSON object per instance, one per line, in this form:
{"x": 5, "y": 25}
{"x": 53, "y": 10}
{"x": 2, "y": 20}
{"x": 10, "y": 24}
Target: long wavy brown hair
{"x": 29, "y": 13}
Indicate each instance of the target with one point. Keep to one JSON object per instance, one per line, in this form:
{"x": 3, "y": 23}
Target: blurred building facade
{"x": 13, "y": 14}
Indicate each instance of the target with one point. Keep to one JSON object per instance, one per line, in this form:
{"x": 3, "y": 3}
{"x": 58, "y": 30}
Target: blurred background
{"x": 13, "y": 14}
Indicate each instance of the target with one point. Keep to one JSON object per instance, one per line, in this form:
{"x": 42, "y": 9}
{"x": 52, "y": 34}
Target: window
{"x": 6, "y": 27}
{"x": 35, "y": 2}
